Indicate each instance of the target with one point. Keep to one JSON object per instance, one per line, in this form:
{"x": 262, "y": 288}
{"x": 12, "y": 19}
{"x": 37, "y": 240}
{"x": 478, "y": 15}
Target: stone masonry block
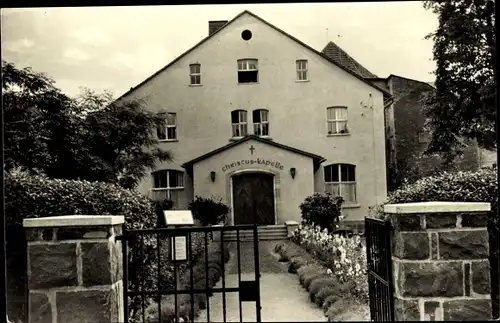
{"x": 481, "y": 277}
{"x": 406, "y": 222}
{"x": 88, "y": 306}
{"x": 467, "y": 310}
{"x": 474, "y": 220}
{"x": 52, "y": 265}
{"x": 90, "y": 232}
{"x": 39, "y": 234}
{"x": 431, "y": 279}
{"x": 411, "y": 245}
{"x": 406, "y": 310}
{"x": 96, "y": 264}
{"x": 441, "y": 220}
{"x": 464, "y": 245}
{"x": 40, "y": 308}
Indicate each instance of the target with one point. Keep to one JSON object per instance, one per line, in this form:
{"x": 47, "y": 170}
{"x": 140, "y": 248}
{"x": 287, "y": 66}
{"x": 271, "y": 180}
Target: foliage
{"x": 208, "y": 211}
{"x": 29, "y": 196}
{"x": 322, "y": 209}
{"x": 344, "y": 257}
{"x": 463, "y": 105}
{"x": 480, "y": 186}
{"x": 88, "y": 137}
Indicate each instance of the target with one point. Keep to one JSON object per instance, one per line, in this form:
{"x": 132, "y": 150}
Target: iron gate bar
{"x": 141, "y": 293}
{"x": 380, "y": 282}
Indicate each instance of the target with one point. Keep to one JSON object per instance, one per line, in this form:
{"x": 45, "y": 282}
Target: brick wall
{"x": 74, "y": 269}
{"x": 440, "y": 261}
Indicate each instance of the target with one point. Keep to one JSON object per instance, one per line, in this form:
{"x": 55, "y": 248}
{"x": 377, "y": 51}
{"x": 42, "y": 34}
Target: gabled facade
{"x": 262, "y": 120}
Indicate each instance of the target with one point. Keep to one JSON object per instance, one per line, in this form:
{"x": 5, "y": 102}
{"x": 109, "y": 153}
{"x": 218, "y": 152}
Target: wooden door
{"x": 253, "y": 199}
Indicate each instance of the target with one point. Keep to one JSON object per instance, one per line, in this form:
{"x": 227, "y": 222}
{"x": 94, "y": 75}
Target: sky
{"x": 116, "y": 48}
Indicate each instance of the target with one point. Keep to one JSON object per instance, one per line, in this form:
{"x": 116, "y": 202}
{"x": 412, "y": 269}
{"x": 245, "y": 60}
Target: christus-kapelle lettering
{"x": 257, "y": 161}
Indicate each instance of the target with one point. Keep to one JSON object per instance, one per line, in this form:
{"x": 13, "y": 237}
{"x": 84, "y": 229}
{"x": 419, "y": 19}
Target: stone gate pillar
{"x": 74, "y": 269}
{"x": 440, "y": 261}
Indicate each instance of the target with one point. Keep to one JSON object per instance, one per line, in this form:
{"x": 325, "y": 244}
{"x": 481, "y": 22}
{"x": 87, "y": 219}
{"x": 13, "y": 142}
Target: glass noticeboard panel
{"x": 178, "y": 217}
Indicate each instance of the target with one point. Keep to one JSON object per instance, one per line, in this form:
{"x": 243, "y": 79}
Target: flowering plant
{"x": 344, "y": 257}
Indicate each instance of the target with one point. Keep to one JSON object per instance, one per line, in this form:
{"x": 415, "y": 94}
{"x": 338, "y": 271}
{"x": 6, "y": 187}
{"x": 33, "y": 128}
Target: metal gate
{"x": 380, "y": 283}
{"x": 170, "y": 274}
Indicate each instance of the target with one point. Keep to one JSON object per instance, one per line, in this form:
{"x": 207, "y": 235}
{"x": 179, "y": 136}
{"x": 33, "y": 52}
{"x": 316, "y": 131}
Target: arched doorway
{"x": 253, "y": 198}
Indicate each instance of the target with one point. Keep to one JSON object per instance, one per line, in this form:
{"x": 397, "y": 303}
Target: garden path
{"x": 282, "y": 297}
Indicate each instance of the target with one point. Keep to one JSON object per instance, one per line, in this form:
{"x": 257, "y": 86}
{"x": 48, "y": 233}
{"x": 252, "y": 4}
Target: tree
{"x": 90, "y": 137}
{"x": 463, "y": 105}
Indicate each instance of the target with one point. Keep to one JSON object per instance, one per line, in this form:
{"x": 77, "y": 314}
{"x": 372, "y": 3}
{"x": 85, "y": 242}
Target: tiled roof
{"x": 337, "y": 54}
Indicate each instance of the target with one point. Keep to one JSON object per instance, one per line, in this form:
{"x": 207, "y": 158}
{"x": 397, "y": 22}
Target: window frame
{"x": 336, "y": 121}
{"x": 340, "y": 183}
{"x": 247, "y": 69}
{"x": 167, "y": 127}
{"x": 193, "y": 74}
{"x": 260, "y": 125}
{"x": 240, "y": 125}
{"x": 305, "y": 70}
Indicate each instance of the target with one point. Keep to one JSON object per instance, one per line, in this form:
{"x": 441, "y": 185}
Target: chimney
{"x": 213, "y": 26}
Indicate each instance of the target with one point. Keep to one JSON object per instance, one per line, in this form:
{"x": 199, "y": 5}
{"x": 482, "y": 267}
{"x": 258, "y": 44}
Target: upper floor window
{"x": 239, "y": 123}
{"x": 195, "y": 74}
{"x": 260, "y": 122}
{"x": 248, "y": 71}
{"x": 340, "y": 180}
{"x": 168, "y": 184}
{"x": 301, "y": 70}
{"x": 170, "y": 130}
{"x": 337, "y": 120}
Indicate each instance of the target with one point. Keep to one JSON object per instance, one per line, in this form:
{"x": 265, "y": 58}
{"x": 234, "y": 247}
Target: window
{"x": 168, "y": 184}
{"x": 195, "y": 74}
{"x": 340, "y": 180}
{"x": 260, "y": 122}
{"x": 239, "y": 123}
{"x": 337, "y": 120}
{"x": 248, "y": 71}
{"x": 301, "y": 70}
{"x": 170, "y": 130}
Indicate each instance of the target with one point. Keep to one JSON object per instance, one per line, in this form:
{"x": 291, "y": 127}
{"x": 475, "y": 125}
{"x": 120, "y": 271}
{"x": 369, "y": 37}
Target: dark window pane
{"x": 328, "y": 173}
{"x": 347, "y": 173}
{"x": 235, "y": 117}
{"x": 248, "y": 77}
{"x": 265, "y": 129}
{"x": 256, "y": 116}
{"x": 172, "y": 133}
{"x": 335, "y": 173}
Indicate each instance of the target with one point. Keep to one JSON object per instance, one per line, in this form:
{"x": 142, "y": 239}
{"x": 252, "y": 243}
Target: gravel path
{"x": 282, "y": 297}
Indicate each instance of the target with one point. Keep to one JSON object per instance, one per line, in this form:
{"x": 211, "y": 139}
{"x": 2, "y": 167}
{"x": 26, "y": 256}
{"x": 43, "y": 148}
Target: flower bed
{"x": 332, "y": 269}
{"x": 345, "y": 257}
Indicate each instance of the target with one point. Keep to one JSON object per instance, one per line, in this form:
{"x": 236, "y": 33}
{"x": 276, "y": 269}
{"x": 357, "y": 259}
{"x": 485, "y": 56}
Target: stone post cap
{"x": 73, "y": 221}
{"x": 290, "y": 222}
{"x": 437, "y": 207}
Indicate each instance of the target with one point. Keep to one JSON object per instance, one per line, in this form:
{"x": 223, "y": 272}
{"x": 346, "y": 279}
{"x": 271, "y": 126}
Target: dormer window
{"x": 248, "y": 71}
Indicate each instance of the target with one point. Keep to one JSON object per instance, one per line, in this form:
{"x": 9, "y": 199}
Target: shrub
{"x": 322, "y": 209}
{"x": 335, "y": 309}
{"x": 295, "y": 263}
{"x": 329, "y": 301}
{"x": 308, "y": 278}
{"x": 208, "y": 211}
{"x": 317, "y": 284}
{"x": 323, "y": 293}
{"x": 307, "y": 271}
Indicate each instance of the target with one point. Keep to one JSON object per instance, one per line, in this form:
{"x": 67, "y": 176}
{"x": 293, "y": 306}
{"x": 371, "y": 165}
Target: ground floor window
{"x": 340, "y": 180}
{"x": 168, "y": 184}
